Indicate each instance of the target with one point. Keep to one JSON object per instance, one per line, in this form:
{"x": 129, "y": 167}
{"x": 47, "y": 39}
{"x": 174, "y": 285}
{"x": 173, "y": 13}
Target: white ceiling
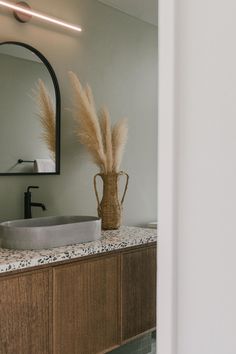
{"x": 145, "y": 10}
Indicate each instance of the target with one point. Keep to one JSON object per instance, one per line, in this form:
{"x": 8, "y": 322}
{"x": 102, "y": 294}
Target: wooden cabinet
{"x": 138, "y": 281}
{"x": 25, "y": 313}
{"x": 86, "y": 306}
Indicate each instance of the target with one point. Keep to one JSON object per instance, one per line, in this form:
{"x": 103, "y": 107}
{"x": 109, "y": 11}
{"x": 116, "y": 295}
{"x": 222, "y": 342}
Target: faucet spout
{"x": 39, "y": 205}
{"x": 28, "y": 204}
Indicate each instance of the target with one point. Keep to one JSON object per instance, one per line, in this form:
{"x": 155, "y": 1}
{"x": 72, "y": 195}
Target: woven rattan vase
{"x": 110, "y": 207}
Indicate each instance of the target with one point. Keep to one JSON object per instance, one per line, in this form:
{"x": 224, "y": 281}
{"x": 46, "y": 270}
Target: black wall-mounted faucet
{"x": 28, "y": 204}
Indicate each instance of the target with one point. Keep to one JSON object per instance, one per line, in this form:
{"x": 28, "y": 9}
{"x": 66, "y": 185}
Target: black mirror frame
{"x": 57, "y": 112}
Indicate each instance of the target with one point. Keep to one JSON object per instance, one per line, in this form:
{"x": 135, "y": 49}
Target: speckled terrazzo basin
{"x": 49, "y": 232}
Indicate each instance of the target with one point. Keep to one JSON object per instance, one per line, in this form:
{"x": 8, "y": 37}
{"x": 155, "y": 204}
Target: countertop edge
{"x": 126, "y": 237}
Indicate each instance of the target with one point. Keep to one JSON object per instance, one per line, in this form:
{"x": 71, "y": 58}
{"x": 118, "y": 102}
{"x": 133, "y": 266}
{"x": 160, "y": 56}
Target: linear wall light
{"x": 23, "y": 8}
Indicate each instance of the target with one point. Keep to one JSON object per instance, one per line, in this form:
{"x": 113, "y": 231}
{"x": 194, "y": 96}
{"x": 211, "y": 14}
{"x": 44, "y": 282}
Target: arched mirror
{"x": 29, "y": 112}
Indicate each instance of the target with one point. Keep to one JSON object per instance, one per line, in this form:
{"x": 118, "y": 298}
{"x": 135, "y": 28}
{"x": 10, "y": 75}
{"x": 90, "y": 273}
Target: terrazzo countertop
{"x": 126, "y": 236}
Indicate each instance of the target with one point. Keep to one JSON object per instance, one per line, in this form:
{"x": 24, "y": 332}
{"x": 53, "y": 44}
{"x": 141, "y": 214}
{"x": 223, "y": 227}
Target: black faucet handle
{"x": 31, "y": 187}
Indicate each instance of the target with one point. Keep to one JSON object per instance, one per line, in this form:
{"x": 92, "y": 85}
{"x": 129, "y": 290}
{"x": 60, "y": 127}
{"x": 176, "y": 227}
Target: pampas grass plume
{"x": 46, "y": 115}
{"x": 107, "y": 136}
{"x": 105, "y": 144}
{"x": 88, "y": 128}
{"x": 119, "y": 139}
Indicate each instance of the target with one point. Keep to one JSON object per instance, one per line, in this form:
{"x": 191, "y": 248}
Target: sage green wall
{"x": 117, "y": 55}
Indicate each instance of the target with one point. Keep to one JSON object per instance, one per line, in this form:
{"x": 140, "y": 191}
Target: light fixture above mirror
{"x": 22, "y": 8}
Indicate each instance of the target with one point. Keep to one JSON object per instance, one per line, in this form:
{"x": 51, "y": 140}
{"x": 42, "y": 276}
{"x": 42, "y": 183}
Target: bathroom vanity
{"x": 82, "y": 299}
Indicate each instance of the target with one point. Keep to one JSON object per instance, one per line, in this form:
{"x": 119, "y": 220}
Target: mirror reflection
{"x": 28, "y": 135}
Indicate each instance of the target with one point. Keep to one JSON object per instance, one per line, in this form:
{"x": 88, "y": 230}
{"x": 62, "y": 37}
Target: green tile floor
{"x": 143, "y": 345}
{"x": 153, "y": 346}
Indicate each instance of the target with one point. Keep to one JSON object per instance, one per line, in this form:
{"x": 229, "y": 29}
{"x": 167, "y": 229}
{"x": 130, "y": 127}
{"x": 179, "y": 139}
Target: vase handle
{"x": 96, "y": 191}
{"x": 126, "y": 185}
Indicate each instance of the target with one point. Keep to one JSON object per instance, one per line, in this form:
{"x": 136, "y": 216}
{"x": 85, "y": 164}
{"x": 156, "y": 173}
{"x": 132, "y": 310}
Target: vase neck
{"x": 110, "y": 184}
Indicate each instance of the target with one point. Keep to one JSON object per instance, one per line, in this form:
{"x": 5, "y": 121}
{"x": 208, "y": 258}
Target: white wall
{"x": 205, "y": 116}
{"x": 116, "y": 54}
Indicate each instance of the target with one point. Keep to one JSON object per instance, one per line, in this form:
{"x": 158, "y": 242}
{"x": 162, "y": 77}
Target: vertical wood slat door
{"x": 86, "y": 306}
{"x": 25, "y": 313}
{"x": 138, "y": 304}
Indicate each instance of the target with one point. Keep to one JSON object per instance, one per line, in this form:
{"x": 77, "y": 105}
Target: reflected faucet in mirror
{"x": 28, "y": 204}
{"x": 39, "y": 165}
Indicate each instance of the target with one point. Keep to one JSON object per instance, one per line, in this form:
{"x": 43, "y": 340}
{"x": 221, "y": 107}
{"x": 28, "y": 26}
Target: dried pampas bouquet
{"x": 46, "y": 116}
{"x": 106, "y": 146}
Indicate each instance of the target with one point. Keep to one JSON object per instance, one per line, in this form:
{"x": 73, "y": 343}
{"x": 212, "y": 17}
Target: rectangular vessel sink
{"x": 48, "y": 232}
